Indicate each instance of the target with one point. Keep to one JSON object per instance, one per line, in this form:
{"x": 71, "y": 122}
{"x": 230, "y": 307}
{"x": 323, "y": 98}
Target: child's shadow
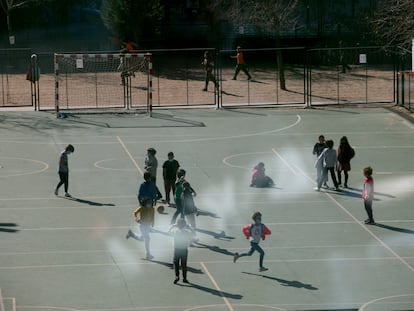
{"x": 283, "y": 282}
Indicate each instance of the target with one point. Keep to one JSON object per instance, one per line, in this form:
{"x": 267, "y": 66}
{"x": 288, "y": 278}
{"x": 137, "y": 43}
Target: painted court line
{"x": 385, "y": 245}
{"x": 130, "y": 155}
{"x": 140, "y": 263}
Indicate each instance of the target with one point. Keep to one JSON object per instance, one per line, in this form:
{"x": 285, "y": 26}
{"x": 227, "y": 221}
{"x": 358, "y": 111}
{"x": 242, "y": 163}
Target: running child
{"x": 254, "y": 232}
{"x": 144, "y": 215}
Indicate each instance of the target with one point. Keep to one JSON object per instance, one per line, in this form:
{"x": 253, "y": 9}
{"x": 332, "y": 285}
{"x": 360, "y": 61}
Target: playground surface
{"x": 71, "y": 254}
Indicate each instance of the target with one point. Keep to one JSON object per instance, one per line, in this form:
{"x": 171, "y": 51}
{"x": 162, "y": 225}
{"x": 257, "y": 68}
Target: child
{"x": 329, "y": 161}
{"x": 259, "y": 178}
{"x": 178, "y": 195}
{"x": 169, "y": 173}
{"x": 317, "y": 150}
{"x": 254, "y": 232}
{"x": 144, "y": 215}
{"x": 345, "y": 154}
{"x": 368, "y": 194}
{"x": 63, "y": 170}
{"x": 183, "y": 236}
{"x": 189, "y": 208}
{"x": 147, "y": 190}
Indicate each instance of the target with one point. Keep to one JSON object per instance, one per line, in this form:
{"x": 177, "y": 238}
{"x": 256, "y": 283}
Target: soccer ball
{"x": 160, "y": 209}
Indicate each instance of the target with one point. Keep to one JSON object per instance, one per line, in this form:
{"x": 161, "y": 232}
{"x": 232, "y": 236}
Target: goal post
{"x": 102, "y": 80}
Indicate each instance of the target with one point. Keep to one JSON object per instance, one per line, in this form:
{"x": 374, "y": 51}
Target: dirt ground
{"x": 102, "y": 90}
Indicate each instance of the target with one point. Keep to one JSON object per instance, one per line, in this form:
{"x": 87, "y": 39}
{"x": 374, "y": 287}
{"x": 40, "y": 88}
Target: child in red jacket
{"x": 254, "y": 232}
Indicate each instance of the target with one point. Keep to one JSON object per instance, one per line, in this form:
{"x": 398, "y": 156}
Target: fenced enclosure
{"x": 406, "y": 89}
{"x": 287, "y": 76}
{"x": 13, "y": 68}
{"x": 349, "y": 75}
{"x": 102, "y": 80}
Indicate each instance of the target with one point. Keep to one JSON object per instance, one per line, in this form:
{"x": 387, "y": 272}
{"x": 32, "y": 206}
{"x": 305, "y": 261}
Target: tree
{"x": 10, "y": 5}
{"x": 268, "y": 15}
{"x": 132, "y": 20}
{"x": 393, "y": 24}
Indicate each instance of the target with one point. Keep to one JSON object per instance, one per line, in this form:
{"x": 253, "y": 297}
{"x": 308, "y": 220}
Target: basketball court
{"x": 71, "y": 254}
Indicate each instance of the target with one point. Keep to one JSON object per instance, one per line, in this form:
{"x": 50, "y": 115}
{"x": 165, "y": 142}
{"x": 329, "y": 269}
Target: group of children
{"x": 174, "y": 180}
{"x": 338, "y": 161}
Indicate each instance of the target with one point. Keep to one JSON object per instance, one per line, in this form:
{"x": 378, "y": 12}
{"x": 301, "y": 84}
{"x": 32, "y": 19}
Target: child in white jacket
{"x": 328, "y": 159}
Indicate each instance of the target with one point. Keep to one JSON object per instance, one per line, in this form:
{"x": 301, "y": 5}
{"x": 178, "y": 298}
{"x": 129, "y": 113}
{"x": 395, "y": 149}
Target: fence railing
{"x": 285, "y": 76}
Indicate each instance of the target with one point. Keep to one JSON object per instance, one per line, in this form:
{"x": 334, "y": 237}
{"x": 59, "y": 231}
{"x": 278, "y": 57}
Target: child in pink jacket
{"x": 255, "y": 232}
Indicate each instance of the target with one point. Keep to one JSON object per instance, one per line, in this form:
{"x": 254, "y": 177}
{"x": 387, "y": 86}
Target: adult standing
{"x": 240, "y": 64}
{"x": 345, "y": 154}
{"x": 169, "y": 173}
{"x": 63, "y": 170}
{"x": 208, "y": 64}
{"x": 151, "y": 166}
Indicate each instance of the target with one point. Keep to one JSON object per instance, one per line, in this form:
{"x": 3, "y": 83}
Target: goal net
{"x": 121, "y": 80}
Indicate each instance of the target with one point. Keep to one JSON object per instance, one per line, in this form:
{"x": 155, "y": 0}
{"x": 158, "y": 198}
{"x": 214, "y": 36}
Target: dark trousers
{"x": 325, "y": 176}
{"x": 255, "y": 247}
{"x": 179, "y": 210}
{"x": 368, "y": 208}
{"x": 169, "y": 185}
{"x": 64, "y": 180}
{"x": 154, "y": 179}
{"x": 243, "y": 68}
{"x": 180, "y": 257}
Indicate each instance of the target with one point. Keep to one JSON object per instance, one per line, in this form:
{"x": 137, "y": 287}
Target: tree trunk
{"x": 279, "y": 62}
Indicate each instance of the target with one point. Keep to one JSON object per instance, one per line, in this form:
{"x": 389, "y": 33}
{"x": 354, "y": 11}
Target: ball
{"x": 160, "y": 209}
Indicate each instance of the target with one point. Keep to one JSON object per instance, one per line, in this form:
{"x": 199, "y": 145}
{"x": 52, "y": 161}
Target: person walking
{"x": 345, "y": 154}
{"x": 151, "y": 166}
{"x": 169, "y": 173}
{"x": 328, "y": 159}
{"x": 368, "y": 194}
{"x": 144, "y": 215}
{"x": 240, "y": 64}
{"x": 182, "y": 235}
{"x": 178, "y": 195}
{"x": 208, "y": 64}
{"x": 255, "y": 232}
{"x": 189, "y": 207}
{"x": 63, "y": 170}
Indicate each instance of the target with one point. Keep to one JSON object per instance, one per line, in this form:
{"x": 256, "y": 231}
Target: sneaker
{"x": 345, "y": 185}
{"x": 129, "y": 234}
{"x": 236, "y": 256}
{"x": 325, "y": 185}
{"x": 67, "y": 195}
{"x": 176, "y": 280}
{"x": 369, "y": 222}
{"x": 317, "y": 189}
{"x": 261, "y": 269}
{"x": 149, "y": 257}
{"x": 56, "y": 192}
{"x": 185, "y": 281}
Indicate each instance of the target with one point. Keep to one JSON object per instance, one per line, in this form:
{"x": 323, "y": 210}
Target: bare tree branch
{"x": 393, "y": 24}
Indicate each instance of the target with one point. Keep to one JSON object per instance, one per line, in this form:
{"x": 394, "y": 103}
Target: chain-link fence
{"x": 286, "y": 76}
{"x": 14, "y": 88}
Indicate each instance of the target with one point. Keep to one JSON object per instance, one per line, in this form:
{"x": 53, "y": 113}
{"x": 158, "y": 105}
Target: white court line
{"x": 385, "y": 245}
{"x": 130, "y": 155}
{"x": 290, "y": 167}
{"x": 226, "y": 301}
{"x": 1, "y": 301}
{"x": 140, "y": 263}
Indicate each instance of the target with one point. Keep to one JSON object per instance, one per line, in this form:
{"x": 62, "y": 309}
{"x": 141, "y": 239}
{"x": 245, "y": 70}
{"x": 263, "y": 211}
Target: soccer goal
{"x": 104, "y": 80}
